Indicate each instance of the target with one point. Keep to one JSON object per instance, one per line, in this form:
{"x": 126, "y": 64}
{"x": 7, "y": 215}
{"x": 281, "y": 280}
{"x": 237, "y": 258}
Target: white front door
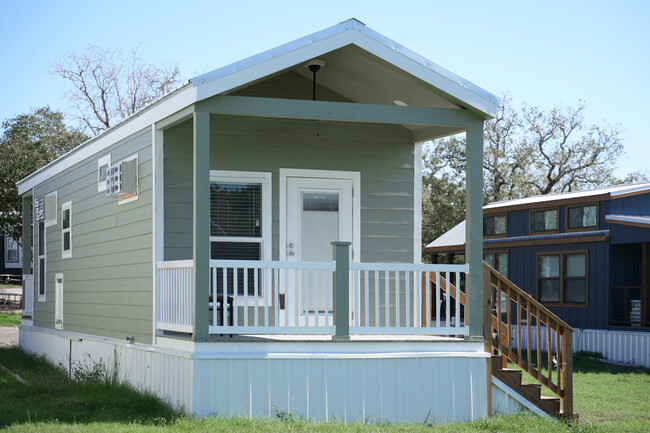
{"x": 319, "y": 211}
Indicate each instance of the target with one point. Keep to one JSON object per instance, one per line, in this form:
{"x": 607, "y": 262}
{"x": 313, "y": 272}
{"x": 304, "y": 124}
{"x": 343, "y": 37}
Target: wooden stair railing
{"x": 559, "y": 367}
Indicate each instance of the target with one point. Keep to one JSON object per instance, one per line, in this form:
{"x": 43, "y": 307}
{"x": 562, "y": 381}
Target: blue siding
{"x": 633, "y": 205}
{"x": 523, "y": 266}
{"x": 518, "y": 223}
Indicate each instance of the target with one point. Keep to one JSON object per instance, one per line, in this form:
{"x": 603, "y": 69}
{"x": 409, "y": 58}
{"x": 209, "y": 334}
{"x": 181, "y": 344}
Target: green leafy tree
{"x": 527, "y": 152}
{"x": 28, "y": 142}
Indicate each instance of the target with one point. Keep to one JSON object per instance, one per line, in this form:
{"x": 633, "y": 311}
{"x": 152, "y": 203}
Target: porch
{"x": 335, "y": 300}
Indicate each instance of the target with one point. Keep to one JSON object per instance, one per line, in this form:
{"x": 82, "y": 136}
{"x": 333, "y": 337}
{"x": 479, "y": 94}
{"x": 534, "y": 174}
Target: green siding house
{"x": 251, "y": 241}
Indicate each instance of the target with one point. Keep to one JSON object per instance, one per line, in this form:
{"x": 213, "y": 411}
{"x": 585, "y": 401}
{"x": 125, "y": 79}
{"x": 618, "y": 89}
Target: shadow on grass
{"x": 49, "y": 396}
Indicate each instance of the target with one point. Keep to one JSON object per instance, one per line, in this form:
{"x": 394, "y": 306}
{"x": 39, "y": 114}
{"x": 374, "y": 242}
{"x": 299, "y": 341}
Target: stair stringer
{"x": 498, "y": 399}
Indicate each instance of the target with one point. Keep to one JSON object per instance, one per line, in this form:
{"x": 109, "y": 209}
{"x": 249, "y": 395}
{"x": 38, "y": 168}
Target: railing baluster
{"x": 366, "y": 301}
{"x": 557, "y": 354}
{"x": 357, "y": 300}
{"x": 297, "y": 296}
{"x": 306, "y": 291}
{"x": 529, "y": 322}
{"x": 549, "y": 367}
{"x": 224, "y": 296}
{"x": 377, "y": 299}
{"x": 316, "y": 299}
{"x": 518, "y": 306}
{"x": 276, "y": 298}
{"x": 429, "y": 292}
{"x": 447, "y": 301}
{"x": 397, "y": 303}
{"x": 256, "y": 292}
{"x": 246, "y": 270}
{"x": 539, "y": 347}
{"x": 387, "y": 298}
{"x": 457, "y": 299}
{"x": 407, "y": 298}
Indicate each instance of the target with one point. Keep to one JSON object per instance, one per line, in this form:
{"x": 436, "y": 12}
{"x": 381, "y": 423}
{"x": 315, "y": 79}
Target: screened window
{"x": 562, "y": 278}
{"x": 66, "y": 230}
{"x": 238, "y": 228}
{"x": 494, "y": 225}
{"x": 582, "y": 217}
{"x": 12, "y": 250}
{"x": 544, "y": 220}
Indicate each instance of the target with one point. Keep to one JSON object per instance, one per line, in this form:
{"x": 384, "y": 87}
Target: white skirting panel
{"x": 620, "y": 346}
{"x": 506, "y": 400}
{"x": 316, "y": 381}
{"x": 163, "y": 374}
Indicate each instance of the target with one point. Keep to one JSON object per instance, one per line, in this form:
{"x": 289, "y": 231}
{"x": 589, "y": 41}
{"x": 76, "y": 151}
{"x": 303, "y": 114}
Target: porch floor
{"x": 237, "y": 338}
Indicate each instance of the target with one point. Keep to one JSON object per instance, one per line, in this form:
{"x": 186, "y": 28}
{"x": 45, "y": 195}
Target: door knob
{"x": 291, "y": 245}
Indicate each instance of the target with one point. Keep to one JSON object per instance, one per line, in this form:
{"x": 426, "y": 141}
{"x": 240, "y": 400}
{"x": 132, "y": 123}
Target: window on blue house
{"x": 562, "y": 278}
{"x": 494, "y": 225}
{"x": 544, "y": 220}
{"x": 582, "y": 217}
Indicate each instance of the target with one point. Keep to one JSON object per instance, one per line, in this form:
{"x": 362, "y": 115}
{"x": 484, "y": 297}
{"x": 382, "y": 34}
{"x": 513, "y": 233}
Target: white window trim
{"x": 104, "y": 160}
{"x": 263, "y": 178}
{"x": 58, "y": 301}
{"x": 41, "y": 297}
{"x": 66, "y": 253}
{"x": 137, "y": 181}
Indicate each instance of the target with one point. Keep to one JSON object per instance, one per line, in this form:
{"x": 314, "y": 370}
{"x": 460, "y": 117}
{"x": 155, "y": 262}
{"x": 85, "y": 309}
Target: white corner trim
{"x": 354, "y": 176}
{"x": 505, "y": 388}
{"x": 157, "y": 218}
{"x": 417, "y": 203}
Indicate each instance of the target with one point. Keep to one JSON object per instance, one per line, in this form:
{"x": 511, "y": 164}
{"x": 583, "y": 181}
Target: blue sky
{"x": 545, "y": 53}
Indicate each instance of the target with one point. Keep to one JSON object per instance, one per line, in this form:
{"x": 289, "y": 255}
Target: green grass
{"x": 608, "y": 399}
{"x": 4, "y": 285}
{"x": 9, "y": 319}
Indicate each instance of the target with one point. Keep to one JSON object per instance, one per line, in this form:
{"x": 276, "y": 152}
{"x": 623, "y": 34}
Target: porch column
{"x": 27, "y": 241}
{"x": 474, "y": 229}
{"x": 201, "y": 223}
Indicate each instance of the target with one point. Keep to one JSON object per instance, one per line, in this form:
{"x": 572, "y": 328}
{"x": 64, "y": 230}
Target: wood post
{"x": 201, "y": 224}
{"x": 342, "y": 290}
{"x": 567, "y": 351}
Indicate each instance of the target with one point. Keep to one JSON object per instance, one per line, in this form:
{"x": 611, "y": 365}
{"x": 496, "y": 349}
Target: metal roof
{"x": 613, "y": 191}
{"x": 452, "y": 238}
{"x": 633, "y": 219}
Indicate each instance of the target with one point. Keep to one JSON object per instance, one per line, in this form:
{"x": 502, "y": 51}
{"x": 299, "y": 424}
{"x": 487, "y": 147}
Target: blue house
{"x": 582, "y": 254}
{"x": 11, "y": 265}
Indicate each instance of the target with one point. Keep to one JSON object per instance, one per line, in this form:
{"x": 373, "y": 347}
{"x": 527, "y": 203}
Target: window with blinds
{"x": 236, "y": 232}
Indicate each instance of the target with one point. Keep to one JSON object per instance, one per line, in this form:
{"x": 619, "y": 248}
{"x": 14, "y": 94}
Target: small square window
{"x": 494, "y": 225}
{"x": 544, "y": 220}
{"x": 582, "y": 217}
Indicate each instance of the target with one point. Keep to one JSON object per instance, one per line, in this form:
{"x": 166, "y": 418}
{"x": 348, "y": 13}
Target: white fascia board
{"x": 265, "y": 67}
{"x": 159, "y": 110}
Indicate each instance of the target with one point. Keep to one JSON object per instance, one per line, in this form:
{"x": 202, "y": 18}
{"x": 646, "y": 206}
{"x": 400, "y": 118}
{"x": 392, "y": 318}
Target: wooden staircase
{"x": 506, "y": 307}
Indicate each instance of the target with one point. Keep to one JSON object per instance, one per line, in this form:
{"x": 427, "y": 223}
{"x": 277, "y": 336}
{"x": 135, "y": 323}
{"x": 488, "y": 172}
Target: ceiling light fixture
{"x": 314, "y": 66}
{"x": 400, "y": 103}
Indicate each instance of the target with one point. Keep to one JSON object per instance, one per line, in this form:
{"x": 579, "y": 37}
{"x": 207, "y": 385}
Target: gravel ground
{"x": 8, "y": 336}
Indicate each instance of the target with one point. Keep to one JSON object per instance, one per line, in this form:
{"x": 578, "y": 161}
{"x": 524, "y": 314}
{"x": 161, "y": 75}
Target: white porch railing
{"x": 270, "y": 297}
{"x": 175, "y": 300}
{"x": 392, "y": 298}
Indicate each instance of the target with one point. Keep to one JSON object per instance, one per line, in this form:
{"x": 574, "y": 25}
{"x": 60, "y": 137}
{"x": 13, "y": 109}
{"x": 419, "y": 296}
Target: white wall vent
{"x": 121, "y": 179}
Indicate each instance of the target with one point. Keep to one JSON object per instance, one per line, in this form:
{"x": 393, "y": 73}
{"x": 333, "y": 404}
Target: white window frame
{"x": 263, "y": 178}
{"x": 41, "y": 297}
{"x": 7, "y": 238}
{"x": 120, "y": 202}
{"x": 103, "y": 161}
{"x": 52, "y": 221}
{"x": 58, "y": 301}
{"x": 66, "y": 253}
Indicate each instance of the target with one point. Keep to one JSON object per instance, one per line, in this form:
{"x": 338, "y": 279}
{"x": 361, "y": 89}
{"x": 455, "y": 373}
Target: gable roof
{"x": 421, "y": 80}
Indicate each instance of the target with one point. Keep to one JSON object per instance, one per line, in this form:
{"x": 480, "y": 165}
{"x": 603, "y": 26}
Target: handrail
{"x": 498, "y": 328}
{"x": 558, "y": 335}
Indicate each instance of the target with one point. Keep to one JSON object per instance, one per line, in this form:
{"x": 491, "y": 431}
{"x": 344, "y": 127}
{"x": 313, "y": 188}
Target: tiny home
{"x": 250, "y": 243}
{"x": 585, "y": 255}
